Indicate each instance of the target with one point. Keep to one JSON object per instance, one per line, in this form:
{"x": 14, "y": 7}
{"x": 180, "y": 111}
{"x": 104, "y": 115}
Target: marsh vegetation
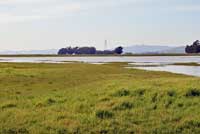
{"x": 79, "y": 98}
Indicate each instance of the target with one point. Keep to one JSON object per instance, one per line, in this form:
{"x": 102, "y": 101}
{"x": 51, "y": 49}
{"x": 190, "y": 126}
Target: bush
{"x": 62, "y": 131}
{"x": 189, "y": 126}
{"x": 104, "y": 114}
{"x": 193, "y": 93}
{"x": 124, "y": 106}
{"x": 121, "y": 93}
{"x": 140, "y": 92}
{"x": 171, "y": 93}
{"x": 23, "y": 131}
{"x": 180, "y": 104}
{"x": 10, "y": 105}
{"x": 50, "y": 101}
{"x": 15, "y": 131}
{"x": 103, "y": 131}
{"x": 169, "y": 102}
{"x": 154, "y": 98}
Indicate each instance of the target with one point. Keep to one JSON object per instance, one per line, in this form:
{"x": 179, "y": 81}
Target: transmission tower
{"x": 105, "y": 45}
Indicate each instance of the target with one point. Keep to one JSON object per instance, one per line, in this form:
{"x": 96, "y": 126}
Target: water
{"x": 141, "y": 59}
{"x": 153, "y": 63}
{"x": 187, "y": 70}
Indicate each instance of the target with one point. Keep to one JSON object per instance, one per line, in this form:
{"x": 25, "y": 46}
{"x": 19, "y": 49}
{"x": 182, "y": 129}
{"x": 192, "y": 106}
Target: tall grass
{"x": 89, "y": 99}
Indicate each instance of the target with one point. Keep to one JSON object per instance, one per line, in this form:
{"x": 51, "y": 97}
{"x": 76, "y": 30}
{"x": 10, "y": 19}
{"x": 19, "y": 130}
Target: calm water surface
{"x": 141, "y": 59}
{"x": 187, "y": 70}
{"x": 155, "y": 63}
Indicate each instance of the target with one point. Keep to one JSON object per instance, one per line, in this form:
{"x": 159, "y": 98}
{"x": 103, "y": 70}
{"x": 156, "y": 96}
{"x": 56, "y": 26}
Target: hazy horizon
{"x": 52, "y": 24}
{"x": 126, "y": 46}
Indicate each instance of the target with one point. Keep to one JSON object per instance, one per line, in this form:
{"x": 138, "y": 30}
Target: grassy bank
{"x": 103, "y": 99}
{"x": 187, "y": 64}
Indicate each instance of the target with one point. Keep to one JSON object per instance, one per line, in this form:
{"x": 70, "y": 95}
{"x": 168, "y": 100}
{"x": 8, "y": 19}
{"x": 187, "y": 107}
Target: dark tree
{"x": 86, "y": 50}
{"x": 194, "y": 48}
{"x": 196, "y": 43}
{"x": 62, "y": 51}
{"x": 70, "y": 50}
{"x": 118, "y": 50}
{"x": 67, "y": 50}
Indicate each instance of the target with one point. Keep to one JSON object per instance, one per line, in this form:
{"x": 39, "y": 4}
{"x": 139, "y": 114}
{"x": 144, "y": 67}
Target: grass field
{"x": 82, "y": 98}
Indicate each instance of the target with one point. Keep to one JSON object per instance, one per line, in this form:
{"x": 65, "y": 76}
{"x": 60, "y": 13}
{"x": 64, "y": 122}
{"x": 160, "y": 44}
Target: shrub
{"x": 169, "y": 102}
{"x": 140, "y": 92}
{"x": 103, "y": 131}
{"x": 10, "y": 105}
{"x": 50, "y": 82}
{"x": 124, "y": 106}
{"x": 23, "y": 131}
{"x": 155, "y": 107}
{"x": 50, "y": 101}
{"x": 61, "y": 117}
{"x": 62, "y": 131}
{"x": 180, "y": 104}
{"x": 104, "y": 114}
{"x": 39, "y": 105}
{"x": 171, "y": 93}
{"x": 10, "y": 131}
{"x": 18, "y": 92}
{"x": 193, "y": 93}
{"x": 154, "y": 98}
{"x": 15, "y": 131}
{"x": 191, "y": 125}
{"x": 122, "y": 92}
{"x": 105, "y": 99}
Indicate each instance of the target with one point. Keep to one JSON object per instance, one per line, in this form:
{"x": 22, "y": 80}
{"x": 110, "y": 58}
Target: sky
{"x": 48, "y": 24}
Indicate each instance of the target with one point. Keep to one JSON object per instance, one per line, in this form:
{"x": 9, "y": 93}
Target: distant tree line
{"x": 194, "y": 48}
{"x": 88, "y": 50}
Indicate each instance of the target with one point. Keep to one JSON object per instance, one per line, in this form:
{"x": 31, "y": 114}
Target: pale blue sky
{"x": 43, "y": 24}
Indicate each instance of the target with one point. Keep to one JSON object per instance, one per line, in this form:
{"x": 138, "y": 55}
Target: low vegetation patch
{"x": 62, "y": 131}
{"x": 9, "y": 105}
{"x": 15, "y": 131}
{"x": 171, "y": 93}
{"x": 154, "y": 97}
{"x": 139, "y": 92}
{"x": 104, "y": 114}
{"x": 50, "y": 101}
{"x": 168, "y": 103}
{"x": 124, "y": 106}
{"x": 121, "y": 93}
{"x": 79, "y": 98}
{"x": 193, "y": 93}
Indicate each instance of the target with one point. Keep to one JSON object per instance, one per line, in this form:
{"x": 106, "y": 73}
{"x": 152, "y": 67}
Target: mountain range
{"x": 47, "y": 51}
{"x": 135, "y": 49}
{"x": 145, "y": 49}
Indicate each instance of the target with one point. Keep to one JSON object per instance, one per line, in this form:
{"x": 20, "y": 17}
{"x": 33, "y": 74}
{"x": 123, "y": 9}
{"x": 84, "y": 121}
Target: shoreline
{"x": 124, "y": 55}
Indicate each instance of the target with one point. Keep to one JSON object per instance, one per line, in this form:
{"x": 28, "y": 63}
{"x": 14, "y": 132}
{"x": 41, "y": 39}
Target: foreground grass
{"x": 83, "y": 98}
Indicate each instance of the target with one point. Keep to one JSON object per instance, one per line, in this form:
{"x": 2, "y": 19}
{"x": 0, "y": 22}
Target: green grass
{"x": 96, "y": 99}
{"x": 187, "y": 64}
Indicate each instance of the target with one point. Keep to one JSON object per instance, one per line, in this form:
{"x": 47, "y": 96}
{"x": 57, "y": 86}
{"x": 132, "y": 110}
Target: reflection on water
{"x": 187, "y": 70}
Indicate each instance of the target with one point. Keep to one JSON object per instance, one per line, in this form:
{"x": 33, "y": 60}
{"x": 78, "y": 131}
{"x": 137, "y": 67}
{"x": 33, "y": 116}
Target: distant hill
{"x": 178, "y": 50}
{"x": 144, "y": 49}
{"x": 47, "y": 51}
{"x": 136, "y": 49}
